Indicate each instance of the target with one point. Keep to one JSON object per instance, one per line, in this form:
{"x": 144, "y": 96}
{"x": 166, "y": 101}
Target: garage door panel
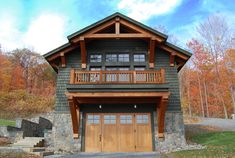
{"x": 93, "y": 133}
{"x": 110, "y": 133}
{"x": 126, "y": 133}
{"x": 143, "y": 133}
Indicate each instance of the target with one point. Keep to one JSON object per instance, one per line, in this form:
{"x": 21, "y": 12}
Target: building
{"x": 117, "y": 89}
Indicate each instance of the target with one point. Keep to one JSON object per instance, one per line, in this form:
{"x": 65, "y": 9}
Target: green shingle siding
{"x": 161, "y": 61}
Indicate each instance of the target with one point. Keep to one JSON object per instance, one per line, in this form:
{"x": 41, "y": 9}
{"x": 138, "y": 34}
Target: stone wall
{"x": 62, "y": 134}
{"x": 174, "y": 133}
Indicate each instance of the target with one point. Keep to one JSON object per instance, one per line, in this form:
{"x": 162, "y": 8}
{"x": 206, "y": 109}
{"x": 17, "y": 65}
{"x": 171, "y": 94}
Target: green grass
{"x": 219, "y": 145}
{"x": 7, "y": 122}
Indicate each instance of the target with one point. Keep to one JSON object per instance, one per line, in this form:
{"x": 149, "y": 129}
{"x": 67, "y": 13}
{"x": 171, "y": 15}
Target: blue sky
{"x": 43, "y": 25}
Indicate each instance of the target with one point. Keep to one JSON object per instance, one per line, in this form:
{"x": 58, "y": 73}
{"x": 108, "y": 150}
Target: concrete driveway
{"x": 115, "y": 155}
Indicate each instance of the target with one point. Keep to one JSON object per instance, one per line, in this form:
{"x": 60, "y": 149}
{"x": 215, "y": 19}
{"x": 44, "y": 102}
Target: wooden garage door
{"x": 123, "y": 132}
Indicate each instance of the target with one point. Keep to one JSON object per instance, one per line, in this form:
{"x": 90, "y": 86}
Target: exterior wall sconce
{"x": 100, "y": 106}
{"x": 135, "y": 106}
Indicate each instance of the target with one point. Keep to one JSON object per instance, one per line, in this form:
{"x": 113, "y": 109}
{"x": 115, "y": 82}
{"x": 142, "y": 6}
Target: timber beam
{"x": 83, "y": 52}
{"x": 74, "y": 116}
{"x": 152, "y": 44}
{"x": 172, "y": 59}
{"x": 62, "y": 58}
{"x": 161, "y": 110}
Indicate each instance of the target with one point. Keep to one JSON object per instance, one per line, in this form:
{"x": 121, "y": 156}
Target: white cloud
{"x": 44, "y": 33}
{"x": 144, "y": 9}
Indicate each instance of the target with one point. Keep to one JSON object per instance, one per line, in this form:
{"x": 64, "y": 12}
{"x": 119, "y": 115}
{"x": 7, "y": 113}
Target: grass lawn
{"x": 18, "y": 155}
{"x": 219, "y": 145}
{"x": 7, "y": 122}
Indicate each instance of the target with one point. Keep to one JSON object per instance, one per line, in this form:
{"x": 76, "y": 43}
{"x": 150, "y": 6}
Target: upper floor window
{"x": 111, "y": 57}
{"x": 95, "y": 58}
{"x": 139, "y": 68}
{"x": 123, "y": 58}
{"x": 139, "y": 57}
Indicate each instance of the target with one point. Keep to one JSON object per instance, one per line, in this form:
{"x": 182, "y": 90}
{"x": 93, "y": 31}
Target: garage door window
{"x": 93, "y": 119}
{"x": 142, "y": 119}
{"x": 125, "y": 119}
{"x": 109, "y": 119}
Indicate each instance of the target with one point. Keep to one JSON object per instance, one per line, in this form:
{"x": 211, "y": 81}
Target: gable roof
{"x": 117, "y": 14}
{"x": 113, "y": 16}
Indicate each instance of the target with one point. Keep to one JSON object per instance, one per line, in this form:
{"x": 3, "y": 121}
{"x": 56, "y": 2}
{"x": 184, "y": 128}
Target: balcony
{"x": 117, "y": 77}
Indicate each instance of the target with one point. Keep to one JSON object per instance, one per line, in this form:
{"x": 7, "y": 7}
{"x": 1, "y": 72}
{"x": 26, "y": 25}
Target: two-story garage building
{"x": 117, "y": 88}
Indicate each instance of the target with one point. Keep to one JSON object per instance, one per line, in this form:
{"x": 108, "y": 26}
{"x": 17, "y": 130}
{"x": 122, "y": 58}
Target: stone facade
{"x": 174, "y": 133}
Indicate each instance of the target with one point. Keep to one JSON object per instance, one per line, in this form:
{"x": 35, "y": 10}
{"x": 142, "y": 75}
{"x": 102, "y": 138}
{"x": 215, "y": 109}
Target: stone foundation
{"x": 174, "y": 133}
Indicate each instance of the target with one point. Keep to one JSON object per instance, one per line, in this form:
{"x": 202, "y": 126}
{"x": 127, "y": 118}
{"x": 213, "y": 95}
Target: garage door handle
{"x": 100, "y": 138}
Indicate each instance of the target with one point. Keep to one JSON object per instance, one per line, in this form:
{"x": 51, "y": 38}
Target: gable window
{"x": 111, "y": 57}
{"x": 139, "y": 57}
{"x": 95, "y": 58}
{"x": 123, "y": 58}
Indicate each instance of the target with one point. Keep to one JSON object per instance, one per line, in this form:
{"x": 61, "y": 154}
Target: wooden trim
{"x": 151, "y": 53}
{"x": 146, "y": 100}
{"x": 93, "y": 31}
{"x": 66, "y": 50}
{"x": 72, "y": 73}
{"x": 62, "y": 58}
{"x": 117, "y": 28}
{"x": 170, "y": 50}
{"x": 74, "y": 117}
{"x": 124, "y": 35}
{"x": 172, "y": 59}
{"x": 139, "y": 29}
{"x": 161, "y": 110}
{"x": 117, "y": 94}
{"x": 83, "y": 53}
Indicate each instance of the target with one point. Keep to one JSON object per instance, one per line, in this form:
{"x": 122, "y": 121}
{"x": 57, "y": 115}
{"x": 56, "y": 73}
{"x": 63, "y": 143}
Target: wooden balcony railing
{"x": 117, "y": 77}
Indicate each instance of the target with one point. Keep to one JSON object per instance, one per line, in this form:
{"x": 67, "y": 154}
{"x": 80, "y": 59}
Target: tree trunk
{"x": 189, "y": 99}
{"x": 200, "y": 94}
{"x": 206, "y": 100}
{"x": 232, "y": 89}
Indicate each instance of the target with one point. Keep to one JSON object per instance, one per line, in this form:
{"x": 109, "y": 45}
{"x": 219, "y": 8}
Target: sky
{"x": 43, "y": 25}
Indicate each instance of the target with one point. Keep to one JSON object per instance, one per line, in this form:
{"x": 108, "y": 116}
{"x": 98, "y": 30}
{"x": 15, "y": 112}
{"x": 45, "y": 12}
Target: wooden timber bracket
{"x": 161, "y": 110}
{"x": 75, "y": 116}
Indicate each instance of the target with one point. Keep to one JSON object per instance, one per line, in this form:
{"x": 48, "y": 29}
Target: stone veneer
{"x": 174, "y": 133}
{"x": 61, "y": 136}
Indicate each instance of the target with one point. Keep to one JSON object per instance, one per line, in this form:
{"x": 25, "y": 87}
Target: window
{"x": 142, "y": 119}
{"x": 123, "y": 58}
{"x": 111, "y": 57}
{"x": 93, "y": 119}
{"x": 95, "y": 58}
{"x": 125, "y": 119}
{"x": 109, "y": 119}
{"x": 139, "y": 57}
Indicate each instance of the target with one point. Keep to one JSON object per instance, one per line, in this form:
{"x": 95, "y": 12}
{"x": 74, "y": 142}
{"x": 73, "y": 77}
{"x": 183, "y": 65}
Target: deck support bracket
{"x": 75, "y": 115}
{"x": 161, "y": 110}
